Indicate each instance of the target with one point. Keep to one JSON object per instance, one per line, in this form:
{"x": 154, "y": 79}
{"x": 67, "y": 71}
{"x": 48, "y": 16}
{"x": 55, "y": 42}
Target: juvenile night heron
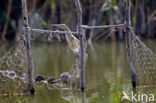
{"x": 71, "y": 78}
{"x": 39, "y": 78}
{"x": 51, "y": 80}
{"x": 73, "y": 42}
{"x": 64, "y": 77}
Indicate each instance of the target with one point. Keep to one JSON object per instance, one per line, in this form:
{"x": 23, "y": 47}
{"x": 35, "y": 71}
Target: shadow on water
{"x": 107, "y": 74}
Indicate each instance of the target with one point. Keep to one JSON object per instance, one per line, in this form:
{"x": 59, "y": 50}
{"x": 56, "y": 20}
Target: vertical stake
{"x": 128, "y": 40}
{"x": 81, "y": 31}
{"x": 82, "y": 60}
{"x": 28, "y": 46}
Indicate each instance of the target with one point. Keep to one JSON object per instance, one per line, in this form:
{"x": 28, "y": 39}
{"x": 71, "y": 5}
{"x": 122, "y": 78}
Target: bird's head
{"x": 64, "y": 76}
{"x": 39, "y": 78}
{"x": 77, "y": 52}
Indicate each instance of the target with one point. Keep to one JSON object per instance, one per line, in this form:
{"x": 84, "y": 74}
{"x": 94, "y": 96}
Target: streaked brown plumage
{"x": 73, "y": 42}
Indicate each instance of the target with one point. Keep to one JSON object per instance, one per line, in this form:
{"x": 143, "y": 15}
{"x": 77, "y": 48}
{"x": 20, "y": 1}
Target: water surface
{"x": 107, "y": 73}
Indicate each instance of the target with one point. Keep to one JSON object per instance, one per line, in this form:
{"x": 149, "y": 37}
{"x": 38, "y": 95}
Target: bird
{"x": 71, "y": 78}
{"x": 51, "y": 80}
{"x": 73, "y": 42}
{"x": 39, "y": 78}
{"x": 64, "y": 77}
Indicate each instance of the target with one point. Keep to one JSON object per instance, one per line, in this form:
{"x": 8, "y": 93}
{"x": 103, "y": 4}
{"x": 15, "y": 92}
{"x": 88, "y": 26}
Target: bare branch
{"x": 52, "y": 31}
{"x": 103, "y": 26}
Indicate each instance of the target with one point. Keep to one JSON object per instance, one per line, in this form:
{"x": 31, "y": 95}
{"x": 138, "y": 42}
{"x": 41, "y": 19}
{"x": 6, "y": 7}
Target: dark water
{"x": 107, "y": 74}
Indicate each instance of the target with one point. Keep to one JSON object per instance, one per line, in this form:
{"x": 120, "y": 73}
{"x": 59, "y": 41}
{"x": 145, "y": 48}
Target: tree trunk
{"x": 141, "y": 18}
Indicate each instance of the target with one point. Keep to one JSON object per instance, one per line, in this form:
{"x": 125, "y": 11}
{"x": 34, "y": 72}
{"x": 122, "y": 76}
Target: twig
{"x": 103, "y": 26}
{"x": 28, "y": 45}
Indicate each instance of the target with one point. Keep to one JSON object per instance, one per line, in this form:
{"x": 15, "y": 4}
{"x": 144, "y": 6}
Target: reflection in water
{"x": 83, "y": 97}
{"x": 74, "y": 96}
